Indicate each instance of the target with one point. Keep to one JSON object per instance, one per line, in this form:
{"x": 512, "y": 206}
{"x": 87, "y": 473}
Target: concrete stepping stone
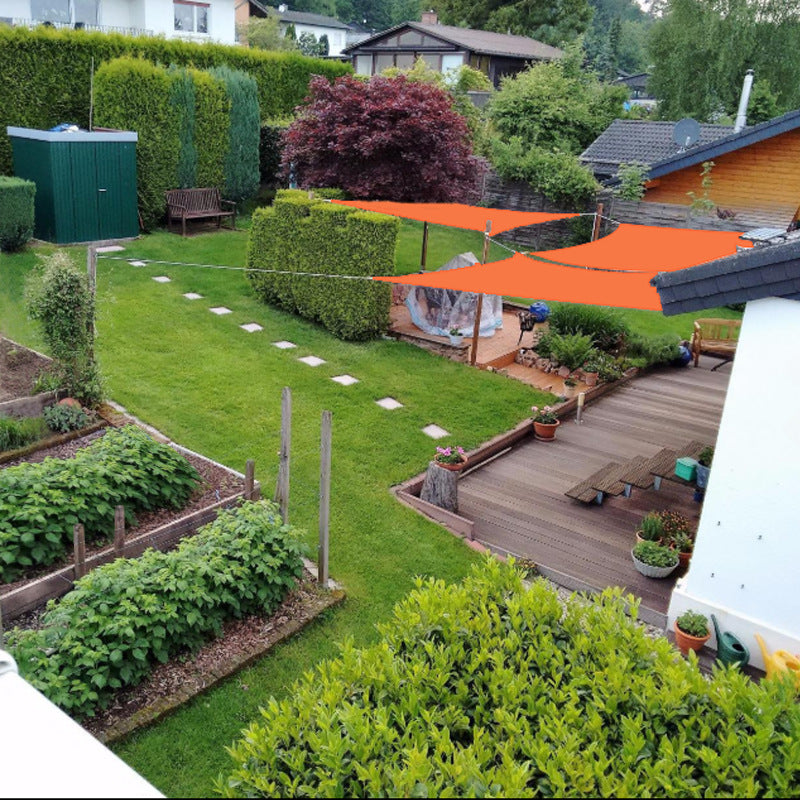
{"x": 284, "y": 345}
{"x": 162, "y": 279}
{"x": 251, "y": 327}
{"x": 220, "y": 310}
{"x": 193, "y": 296}
{"x": 111, "y": 248}
{"x": 435, "y": 432}
{"x": 389, "y": 403}
{"x": 345, "y": 380}
{"x": 312, "y": 361}
{"x": 137, "y": 263}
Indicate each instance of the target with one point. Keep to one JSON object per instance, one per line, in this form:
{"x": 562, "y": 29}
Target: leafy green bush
{"x": 485, "y": 688}
{"x": 54, "y": 65}
{"x": 606, "y": 326}
{"x": 632, "y": 178}
{"x": 310, "y": 235}
{"x": 270, "y": 151}
{"x": 40, "y": 503}
{"x": 212, "y": 128}
{"x": 183, "y": 102}
{"x": 65, "y": 418}
{"x": 16, "y": 212}
{"x": 124, "y": 617}
{"x": 653, "y": 350}
{"x": 16, "y": 433}
{"x": 570, "y": 350}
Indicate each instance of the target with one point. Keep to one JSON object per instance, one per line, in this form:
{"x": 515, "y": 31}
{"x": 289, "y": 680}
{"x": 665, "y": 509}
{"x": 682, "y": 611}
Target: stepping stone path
{"x": 435, "y": 432}
{"x": 312, "y": 361}
{"x": 111, "y": 248}
{"x": 137, "y": 263}
{"x": 162, "y": 279}
{"x": 220, "y": 310}
{"x": 251, "y": 327}
{"x": 389, "y": 403}
{"x": 284, "y": 345}
{"x": 193, "y": 296}
{"x": 345, "y": 380}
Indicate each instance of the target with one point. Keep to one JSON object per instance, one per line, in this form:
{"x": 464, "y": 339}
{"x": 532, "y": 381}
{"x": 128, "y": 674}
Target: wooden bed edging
{"x": 52, "y": 441}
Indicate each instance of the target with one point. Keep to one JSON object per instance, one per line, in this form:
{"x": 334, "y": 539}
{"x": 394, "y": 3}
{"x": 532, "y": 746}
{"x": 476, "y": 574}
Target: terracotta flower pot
{"x": 640, "y": 539}
{"x": 590, "y": 378}
{"x": 453, "y": 467}
{"x": 686, "y": 642}
{"x": 544, "y": 431}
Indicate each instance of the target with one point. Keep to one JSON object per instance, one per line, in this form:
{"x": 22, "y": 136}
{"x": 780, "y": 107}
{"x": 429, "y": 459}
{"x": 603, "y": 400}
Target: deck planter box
{"x": 686, "y": 468}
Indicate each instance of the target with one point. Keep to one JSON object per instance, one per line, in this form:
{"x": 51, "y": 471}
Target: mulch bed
{"x": 19, "y": 369}
{"x": 217, "y": 484}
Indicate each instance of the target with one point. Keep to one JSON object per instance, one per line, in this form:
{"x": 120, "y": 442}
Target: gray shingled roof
{"x": 484, "y": 42}
{"x": 771, "y": 270}
{"x": 303, "y": 18}
{"x": 627, "y": 140}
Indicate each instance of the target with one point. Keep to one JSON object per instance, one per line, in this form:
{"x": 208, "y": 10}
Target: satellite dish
{"x": 686, "y": 132}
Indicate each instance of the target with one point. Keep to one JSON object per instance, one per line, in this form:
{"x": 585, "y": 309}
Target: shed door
{"x": 109, "y": 196}
{"x": 76, "y": 192}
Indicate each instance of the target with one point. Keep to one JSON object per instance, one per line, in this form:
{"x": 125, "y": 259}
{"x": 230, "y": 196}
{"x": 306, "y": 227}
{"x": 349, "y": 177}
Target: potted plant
{"x": 591, "y": 372}
{"x": 691, "y": 631}
{"x": 569, "y": 387}
{"x": 704, "y": 467}
{"x": 456, "y": 337}
{"x": 651, "y": 528}
{"x": 654, "y": 560}
{"x": 545, "y": 423}
{"x": 683, "y": 545}
{"x": 452, "y": 458}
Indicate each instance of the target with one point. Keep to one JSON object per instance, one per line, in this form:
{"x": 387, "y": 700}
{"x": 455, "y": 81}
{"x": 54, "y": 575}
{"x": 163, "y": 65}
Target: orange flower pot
{"x": 544, "y": 431}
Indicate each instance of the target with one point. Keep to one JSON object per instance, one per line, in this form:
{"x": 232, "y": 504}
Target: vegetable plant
{"x": 65, "y": 418}
{"x": 694, "y": 623}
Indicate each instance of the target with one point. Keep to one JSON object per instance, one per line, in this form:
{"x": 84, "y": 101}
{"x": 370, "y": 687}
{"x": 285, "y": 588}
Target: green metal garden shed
{"x": 85, "y": 183}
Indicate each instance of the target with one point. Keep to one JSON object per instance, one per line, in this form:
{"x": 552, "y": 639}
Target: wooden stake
{"x": 423, "y": 260}
{"x": 597, "y": 220}
{"x": 286, "y": 446}
{"x": 91, "y": 271}
{"x": 324, "y": 497}
{"x": 249, "y": 478}
{"x": 476, "y": 328}
{"x": 119, "y": 531}
{"x": 79, "y": 544}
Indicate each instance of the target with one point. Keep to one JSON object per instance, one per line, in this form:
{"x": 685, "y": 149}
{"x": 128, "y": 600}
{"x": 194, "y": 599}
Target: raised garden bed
{"x": 20, "y": 367}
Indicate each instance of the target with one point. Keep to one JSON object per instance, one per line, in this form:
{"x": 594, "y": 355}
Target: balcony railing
{"x": 18, "y": 22}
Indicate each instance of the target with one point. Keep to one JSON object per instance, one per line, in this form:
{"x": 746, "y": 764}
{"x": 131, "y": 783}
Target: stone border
{"x": 199, "y": 682}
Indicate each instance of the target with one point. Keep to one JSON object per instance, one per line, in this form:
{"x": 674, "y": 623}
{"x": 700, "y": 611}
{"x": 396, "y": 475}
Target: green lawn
{"x": 216, "y": 389}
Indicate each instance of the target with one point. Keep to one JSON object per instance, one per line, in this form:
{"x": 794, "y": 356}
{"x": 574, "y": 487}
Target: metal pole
{"x": 324, "y": 497}
{"x": 581, "y": 401}
{"x": 476, "y": 328}
{"x": 286, "y": 446}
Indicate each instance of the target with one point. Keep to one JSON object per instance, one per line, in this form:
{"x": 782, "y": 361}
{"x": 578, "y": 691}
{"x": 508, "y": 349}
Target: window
{"x": 86, "y": 12}
{"x": 69, "y": 12}
{"x": 191, "y": 17}
{"x": 363, "y": 65}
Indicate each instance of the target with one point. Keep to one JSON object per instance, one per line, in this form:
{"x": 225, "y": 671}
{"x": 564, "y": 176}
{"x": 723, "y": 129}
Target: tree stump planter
{"x": 441, "y": 486}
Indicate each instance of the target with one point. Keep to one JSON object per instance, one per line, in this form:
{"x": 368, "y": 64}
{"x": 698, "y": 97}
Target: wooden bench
{"x": 186, "y": 204}
{"x": 715, "y": 337}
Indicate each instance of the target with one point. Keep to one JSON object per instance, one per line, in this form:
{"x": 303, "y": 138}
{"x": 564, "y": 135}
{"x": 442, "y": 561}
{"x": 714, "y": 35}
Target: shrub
{"x": 484, "y": 688}
{"x": 270, "y": 151}
{"x": 652, "y": 350}
{"x": 124, "y": 617}
{"x": 651, "y": 528}
{"x": 632, "y": 178}
{"x": 16, "y": 433}
{"x": 213, "y": 128}
{"x": 570, "y": 350}
{"x": 65, "y": 418}
{"x": 706, "y": 456}
{"x": 310, "y": 235}
{"x": 16, "y": 212}
{"x": 606, "y": 326}
{"x": 46, "y": 382}
{"x": 694, "y": 623}
{"x": 59, "y": 298}
{"x": 54, "y": 65}
{"x": 182, "y": 100}
{"x": 41, "y": 502}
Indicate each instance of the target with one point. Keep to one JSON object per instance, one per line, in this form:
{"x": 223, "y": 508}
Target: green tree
{"x": 265, "y": 34}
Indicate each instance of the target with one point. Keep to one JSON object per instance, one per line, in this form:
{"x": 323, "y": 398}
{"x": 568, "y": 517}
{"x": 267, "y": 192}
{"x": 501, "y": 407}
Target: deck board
{"x": 517, "y": 501}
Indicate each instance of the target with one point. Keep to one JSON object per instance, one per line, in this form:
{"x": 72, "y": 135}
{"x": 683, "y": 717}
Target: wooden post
{"x": 2, "y": 635}
{"x": 119, "y": 531}
{"x": 476, "y": 328}
{"x": 423, "y": 260}
{"x": 324, "y": 497}
{"x": 581, "y": 401}
{"x": 79, "y": 544}
{"x": 597, "y": 220}
{"x": 249, "y": 478}
{"x": 286, "y": 446}
{"x": 91, "y": 272}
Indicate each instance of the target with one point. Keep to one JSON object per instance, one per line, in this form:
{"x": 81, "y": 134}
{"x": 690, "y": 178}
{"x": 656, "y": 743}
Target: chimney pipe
{"x": 741, "y": 114}
{"x": 430, "y": 17}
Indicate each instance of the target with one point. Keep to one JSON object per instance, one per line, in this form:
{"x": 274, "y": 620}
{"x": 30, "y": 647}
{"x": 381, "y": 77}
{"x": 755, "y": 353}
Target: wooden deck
{"x": 518, "y": 505}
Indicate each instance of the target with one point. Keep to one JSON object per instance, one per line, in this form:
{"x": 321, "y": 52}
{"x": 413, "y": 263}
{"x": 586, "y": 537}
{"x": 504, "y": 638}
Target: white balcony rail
{"x": 19, "y": 22}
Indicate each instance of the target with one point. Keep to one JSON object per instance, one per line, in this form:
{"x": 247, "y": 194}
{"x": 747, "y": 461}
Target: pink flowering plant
{"x": 545, "y": 415}
{"x": 449, "y": 455}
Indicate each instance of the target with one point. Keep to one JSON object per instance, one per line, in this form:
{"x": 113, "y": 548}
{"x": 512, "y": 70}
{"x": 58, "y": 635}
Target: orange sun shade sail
{"x": 456, "y": 215}
{"x": 590, "y": 273}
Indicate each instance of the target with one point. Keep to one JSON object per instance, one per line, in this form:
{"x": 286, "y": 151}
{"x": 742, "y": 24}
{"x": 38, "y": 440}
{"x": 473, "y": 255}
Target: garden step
{"x": 585, "y": 491}
{"x": 636, "y": 473}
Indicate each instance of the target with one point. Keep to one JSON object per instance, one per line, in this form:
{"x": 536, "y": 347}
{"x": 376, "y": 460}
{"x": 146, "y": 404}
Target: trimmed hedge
{"x": 41, "y": 502}
{"x": 16, "y": 212}
{"x": 212, "y": 132}
{"x": 183, "y": 102}
{"x": 44, "y": 73}
{"x": 489, "y": 689}
{"x": 124, "y": 617}
{"x": 311, "y": 235}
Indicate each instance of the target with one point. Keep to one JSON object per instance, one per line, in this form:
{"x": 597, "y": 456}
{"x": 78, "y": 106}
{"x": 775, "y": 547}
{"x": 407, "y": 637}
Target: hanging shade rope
{"x": 456, "y": 215}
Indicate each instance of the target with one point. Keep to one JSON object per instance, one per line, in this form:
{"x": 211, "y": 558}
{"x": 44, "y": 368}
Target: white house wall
{"x": 337, "y": 38}
{"x": 747, "y": 556}
{"x": 122, "y": 13}
{"x": 160, "y": 18}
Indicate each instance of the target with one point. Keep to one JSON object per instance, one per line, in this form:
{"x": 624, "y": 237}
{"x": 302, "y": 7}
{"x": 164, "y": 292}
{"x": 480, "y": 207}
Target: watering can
{"x": 729, "y": 649}
{"x": 780, "y": 662}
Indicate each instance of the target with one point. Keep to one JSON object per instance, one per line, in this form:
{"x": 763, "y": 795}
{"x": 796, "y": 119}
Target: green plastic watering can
{"x": 729, "y": 649}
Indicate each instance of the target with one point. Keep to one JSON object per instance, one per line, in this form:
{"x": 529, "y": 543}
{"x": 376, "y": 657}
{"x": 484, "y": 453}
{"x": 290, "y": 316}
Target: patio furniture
{"x": 662, "y": 465}
{"x": 183, "y": 204}
{"x": 715, "y": 337}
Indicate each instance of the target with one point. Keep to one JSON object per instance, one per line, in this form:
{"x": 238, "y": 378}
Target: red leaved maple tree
{"x": 382, "y": 139}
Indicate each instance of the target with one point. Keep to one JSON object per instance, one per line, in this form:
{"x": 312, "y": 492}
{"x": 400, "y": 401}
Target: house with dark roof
{"x": 744, "y": 565}
{"x": 445, "y": 47}
{"x": 756, "y": 172}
